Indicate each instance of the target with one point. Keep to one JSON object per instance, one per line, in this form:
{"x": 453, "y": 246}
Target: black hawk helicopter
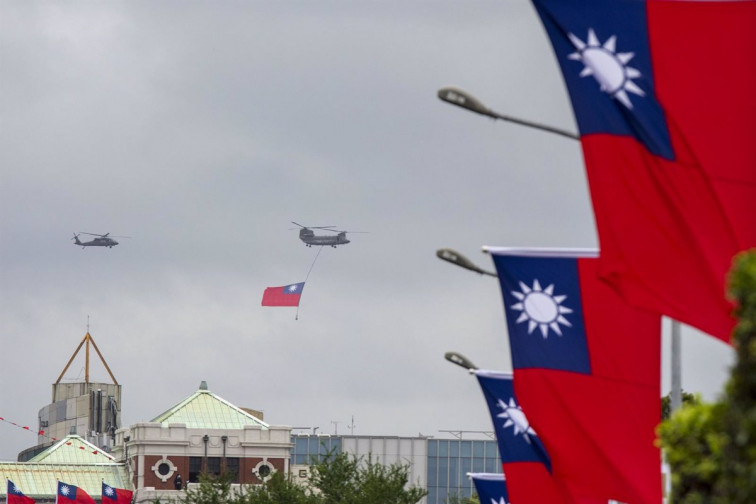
{"x": 100, "y": 241}
{"x": 308, "y": 236}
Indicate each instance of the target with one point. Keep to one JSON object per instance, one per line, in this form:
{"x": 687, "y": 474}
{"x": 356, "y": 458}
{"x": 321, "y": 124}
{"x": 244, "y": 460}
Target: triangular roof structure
{"x": 72, "y": 460}
{"x": 205, "y": 410}
{"x": 72, "y": 449}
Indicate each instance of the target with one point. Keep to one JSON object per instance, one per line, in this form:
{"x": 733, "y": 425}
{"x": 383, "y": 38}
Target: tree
{"x": 711, "y": 448}
{"x": 345, "y": 479}
{"x": 687, "y": 398}
{"x": 338, "y": 479}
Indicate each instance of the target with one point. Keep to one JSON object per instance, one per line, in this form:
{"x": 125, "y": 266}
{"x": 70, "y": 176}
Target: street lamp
{"x": 460, "y": 360}
{"x": 462, "y": 98}
{"x": 455, "y": 257}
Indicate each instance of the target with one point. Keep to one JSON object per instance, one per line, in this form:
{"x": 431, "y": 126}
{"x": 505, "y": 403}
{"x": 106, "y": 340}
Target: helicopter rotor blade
{"x": 311, "y": 227}
{"x": 106, "y": 235}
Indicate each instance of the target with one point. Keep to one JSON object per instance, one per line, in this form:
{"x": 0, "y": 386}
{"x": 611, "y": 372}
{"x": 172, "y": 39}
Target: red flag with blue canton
{"x": 663, "y": 94}
{"x": 14, "y": 495}
{"x": 287, "y": 295}
{"x": 524, "y": 460}
{"x": 70, "y": 494}
{"x": 112, "y": 495}
{"x": 586, "y": 372}
{"x": 491, "y": 488}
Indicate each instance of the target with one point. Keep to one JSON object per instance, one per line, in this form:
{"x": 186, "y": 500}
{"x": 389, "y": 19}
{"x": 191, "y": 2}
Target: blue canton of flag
{"x": 491, "y": 488}
{"x": 544, "y": 312}
{"x": 517, "y": 440}
{"x": 293, "y": 288}
{"x": 606, "y": 62}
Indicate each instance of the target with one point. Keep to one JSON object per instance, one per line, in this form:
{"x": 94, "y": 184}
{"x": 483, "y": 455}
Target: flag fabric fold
{"x": 113, "y": 495}
{"x": 586, "y": 373}
{"x": 15, "y": 496}
{"x": 70, "y": 494}
{"x": 524, "y": 459}
{"x": 286, "y": 295}
{"x": 664, "y": 102}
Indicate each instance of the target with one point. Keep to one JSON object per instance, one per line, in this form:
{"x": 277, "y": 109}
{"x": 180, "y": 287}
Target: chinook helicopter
{"x": 99, "y": 241}
{"x": 308, "y": 236}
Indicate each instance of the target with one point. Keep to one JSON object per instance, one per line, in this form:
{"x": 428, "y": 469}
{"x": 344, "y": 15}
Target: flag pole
{"x": 675, "y": 398}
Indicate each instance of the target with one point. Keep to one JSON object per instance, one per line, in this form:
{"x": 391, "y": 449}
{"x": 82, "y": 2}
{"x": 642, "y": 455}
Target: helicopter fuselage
{"x": 100, "y": 241}
{"x": 310, "y": 239}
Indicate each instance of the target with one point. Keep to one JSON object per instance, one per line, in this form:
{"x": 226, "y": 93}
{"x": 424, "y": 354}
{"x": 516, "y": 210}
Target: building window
{"x": 214, "y": 466}
{"x": 195, "y": 469}
{"x": 163, "y": 469}
{"x": 232, "y": 469}
{"x": 263, "y": 470}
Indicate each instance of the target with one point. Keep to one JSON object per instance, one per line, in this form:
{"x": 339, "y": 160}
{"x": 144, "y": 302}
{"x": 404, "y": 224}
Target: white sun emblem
{"x": 607, "y": 65}
{"x": 500, "y": 501}
{"x": 292, "y": 288}
{"x": 108, "y": 490}
{"x": 516, "y": 418}
{"x": 541, "y": 308}
{"x": 65, "y": 490}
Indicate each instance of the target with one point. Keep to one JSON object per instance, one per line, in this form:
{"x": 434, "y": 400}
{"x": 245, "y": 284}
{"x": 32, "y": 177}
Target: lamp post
{"x": 461, "y": 98}
{"x": 455, "y": 257}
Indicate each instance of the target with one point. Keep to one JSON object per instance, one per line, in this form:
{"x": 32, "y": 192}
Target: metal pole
{"x": 675, "y": 399}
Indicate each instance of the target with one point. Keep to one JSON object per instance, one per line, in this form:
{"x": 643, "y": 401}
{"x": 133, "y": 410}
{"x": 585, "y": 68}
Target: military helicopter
{"x": 100, "y": 241}
{"x": 308, "y": 236}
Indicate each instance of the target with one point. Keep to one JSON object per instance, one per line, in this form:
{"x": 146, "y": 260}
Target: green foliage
{"x": 711, "y": 448}
{"x": 456, "y": 499}
{"x": 687, "y": 399}
{"x": 338, "y": 479}
{"x": 738, "y": 481}
{"x": 693, "y": 446}
{"x": 345, "y": 479}
{"x": 279, "y": 489}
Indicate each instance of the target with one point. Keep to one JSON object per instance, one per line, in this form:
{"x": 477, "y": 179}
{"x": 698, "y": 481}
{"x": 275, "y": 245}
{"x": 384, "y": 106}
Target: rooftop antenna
{"x": 351, "y": 426}
{"x": 87, "y": 339}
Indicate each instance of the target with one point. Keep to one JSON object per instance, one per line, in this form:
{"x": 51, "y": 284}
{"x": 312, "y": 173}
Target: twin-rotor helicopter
{"x": 99, "y": 241}
{"x": 308, "y": 236}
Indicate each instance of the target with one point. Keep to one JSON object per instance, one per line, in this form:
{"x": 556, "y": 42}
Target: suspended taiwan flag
{"x": 491, "y": 488}
{"x": 70, "y": 494}
{"x": 112, "y": 495}
{"x": 287, "y": 295}
{"x": 525, "y": 462}
{"x": 586, "y": 372}
{"x": 14, "y": 495}
{"x": 663, "y": 94}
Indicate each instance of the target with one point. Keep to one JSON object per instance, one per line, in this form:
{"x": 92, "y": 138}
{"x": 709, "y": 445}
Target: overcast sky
{"x": 201, "y": 129}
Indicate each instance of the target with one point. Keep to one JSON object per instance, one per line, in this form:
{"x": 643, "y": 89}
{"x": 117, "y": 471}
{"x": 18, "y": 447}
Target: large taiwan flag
{"x": 586, "y": 373}
{"x": 663, "y": 93}
{"x": 524, "y": 460}
{"x": 286, "y": 295}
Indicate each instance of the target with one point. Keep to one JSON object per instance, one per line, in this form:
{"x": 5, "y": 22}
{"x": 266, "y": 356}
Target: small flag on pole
{"x": 112, "y": 495}
{"x": 287, "y": 295}
{"x": 14, "y": 495}
{"x": 70, "y": 494}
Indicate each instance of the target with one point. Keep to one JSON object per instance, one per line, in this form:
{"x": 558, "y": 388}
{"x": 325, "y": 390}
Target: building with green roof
{"x": 72, "y": 460}
{"x": 202, "y": 433}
